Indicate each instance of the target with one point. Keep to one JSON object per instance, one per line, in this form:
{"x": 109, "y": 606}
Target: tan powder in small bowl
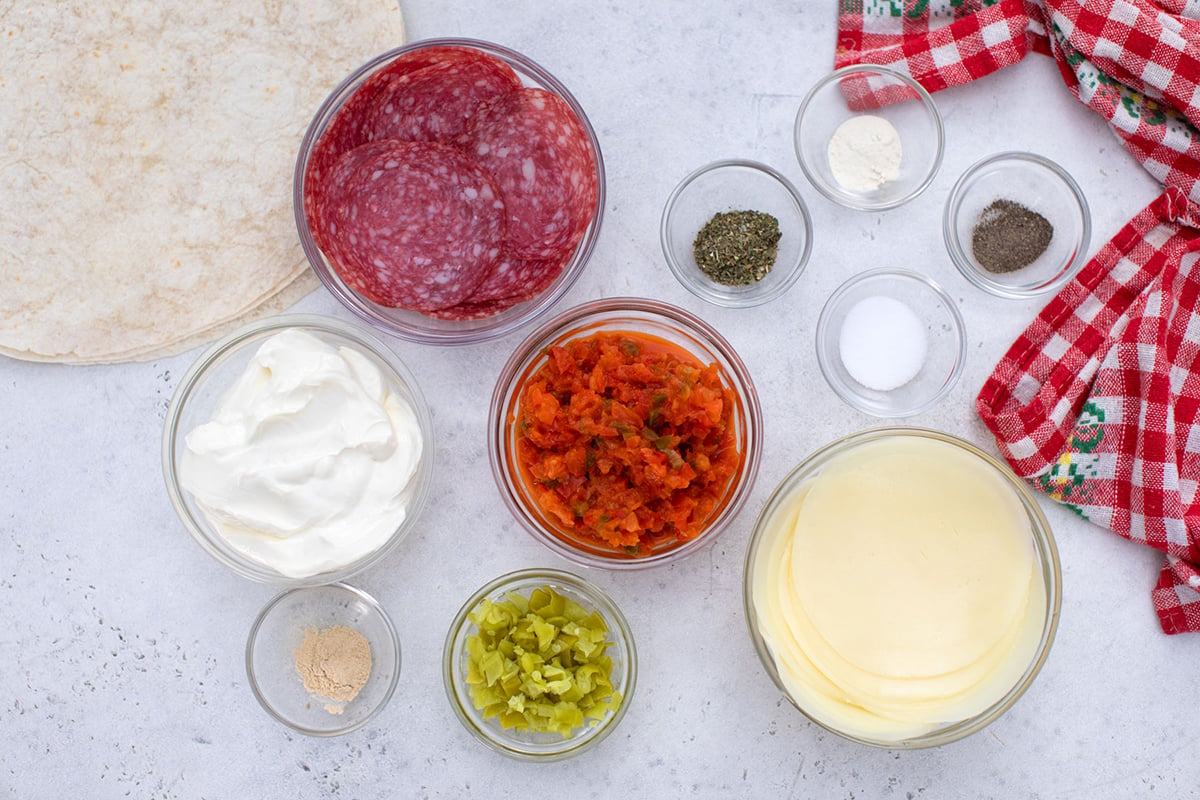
{"x": 334, "y": 664}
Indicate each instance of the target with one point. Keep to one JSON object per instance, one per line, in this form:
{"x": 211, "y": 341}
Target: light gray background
{"x": 123, "y": 642}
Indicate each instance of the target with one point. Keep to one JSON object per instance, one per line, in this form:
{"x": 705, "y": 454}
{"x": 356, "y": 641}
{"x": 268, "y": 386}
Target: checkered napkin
{"x": 1097, "y": 403}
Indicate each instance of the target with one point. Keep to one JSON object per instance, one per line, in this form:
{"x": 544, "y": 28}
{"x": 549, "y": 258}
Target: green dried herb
{"x": 737, "y": 248}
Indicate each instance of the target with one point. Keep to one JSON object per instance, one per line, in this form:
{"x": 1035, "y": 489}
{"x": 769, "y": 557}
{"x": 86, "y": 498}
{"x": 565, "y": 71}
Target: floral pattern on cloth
{"x": 1097, "y": 403}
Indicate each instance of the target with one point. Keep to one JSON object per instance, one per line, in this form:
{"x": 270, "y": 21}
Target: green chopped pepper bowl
{"x": 539, "y": 665}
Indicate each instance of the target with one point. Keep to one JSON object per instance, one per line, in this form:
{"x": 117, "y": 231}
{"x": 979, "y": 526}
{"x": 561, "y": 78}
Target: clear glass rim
{"x": 962, "y": 261}
{"x": 845, "y": 198}
{"x": 846, "y": 393}
{"x": 1040, "y": 532}
{"x": 190, "y": 383}
{"x": 618, "y": 627}
{"x": 712, "y": 292}
{"x": 392, "y": 642}
{"x": 562, "y": 325}
{"x": 476, "y": 330}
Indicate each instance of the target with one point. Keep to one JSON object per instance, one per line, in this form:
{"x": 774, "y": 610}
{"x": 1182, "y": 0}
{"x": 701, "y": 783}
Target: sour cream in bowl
{"x": 298, "y": 450}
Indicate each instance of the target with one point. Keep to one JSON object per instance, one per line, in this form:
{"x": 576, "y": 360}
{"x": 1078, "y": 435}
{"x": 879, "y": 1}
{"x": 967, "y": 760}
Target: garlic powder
{"x": 865, "y": 153}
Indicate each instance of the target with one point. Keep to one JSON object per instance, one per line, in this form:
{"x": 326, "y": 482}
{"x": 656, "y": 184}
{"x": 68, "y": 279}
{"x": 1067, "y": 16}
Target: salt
{"x": 882, "y": 343}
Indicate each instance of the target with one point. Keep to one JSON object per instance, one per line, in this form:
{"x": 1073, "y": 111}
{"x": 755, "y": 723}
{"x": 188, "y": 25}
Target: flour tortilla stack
{"x": 146, "y": 160}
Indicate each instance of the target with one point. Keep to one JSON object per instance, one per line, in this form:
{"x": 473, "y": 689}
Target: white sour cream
{"x": 304, "y": 464}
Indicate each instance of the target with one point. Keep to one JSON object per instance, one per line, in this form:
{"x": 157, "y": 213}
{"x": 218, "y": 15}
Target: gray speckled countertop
{"x": 123, "y": 642}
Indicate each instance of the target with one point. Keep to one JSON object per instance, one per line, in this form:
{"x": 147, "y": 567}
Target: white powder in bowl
{"x": 882, "y": 343}
{"x": 864, "y": 153}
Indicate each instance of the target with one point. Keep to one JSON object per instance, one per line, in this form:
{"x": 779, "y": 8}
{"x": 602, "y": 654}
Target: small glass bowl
{"x": 882, "y": 92}
{"x": 412, "y": 325}
{"x": 648, "y": 317}
{"x": 200, "y": 392}
{"x": 1041, "y": 537}
{"x": 271, "y": 661}
{"x": 735, "y": 185}
{"x": 945, "y": 337}
{"x": 1038, "y": 184}
{"x": 529, "y": 745}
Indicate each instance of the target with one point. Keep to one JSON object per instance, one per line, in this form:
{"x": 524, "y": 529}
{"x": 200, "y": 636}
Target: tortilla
{"x": 146, "y": 161}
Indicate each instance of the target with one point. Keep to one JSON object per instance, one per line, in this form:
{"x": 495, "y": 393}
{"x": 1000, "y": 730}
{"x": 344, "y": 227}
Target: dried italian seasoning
{"x": 1009, "y": 236}
{"x": 737, "y": 248}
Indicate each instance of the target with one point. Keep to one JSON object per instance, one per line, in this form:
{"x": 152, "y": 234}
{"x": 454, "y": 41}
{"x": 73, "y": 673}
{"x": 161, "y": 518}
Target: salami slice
{"x": 543, "y": 164}
{"x": 510, "y": 281}
{"x": 345, "y": 129}
{"x": 417, "y": 225}
{"x": 471, "y": 310}
{"x": 518, "y": 279}
{"x": 438, "y": 101}
{"x": 342, "y": 133}
{"x": 423, "y": 57}
{"x": 322, "y": 199}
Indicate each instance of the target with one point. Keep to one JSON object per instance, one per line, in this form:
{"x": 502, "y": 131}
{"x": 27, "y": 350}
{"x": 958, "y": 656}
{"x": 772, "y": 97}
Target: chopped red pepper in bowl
{"x": 625, "y": 433}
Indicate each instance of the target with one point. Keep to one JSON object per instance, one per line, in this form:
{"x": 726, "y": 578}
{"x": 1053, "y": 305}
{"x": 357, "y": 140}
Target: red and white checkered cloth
{"x": 1097, "y": 403}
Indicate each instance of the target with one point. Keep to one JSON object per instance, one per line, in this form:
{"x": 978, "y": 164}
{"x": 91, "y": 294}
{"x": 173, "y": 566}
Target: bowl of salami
{"x": 449, "y": 191}
{"x": 625, "y": 433}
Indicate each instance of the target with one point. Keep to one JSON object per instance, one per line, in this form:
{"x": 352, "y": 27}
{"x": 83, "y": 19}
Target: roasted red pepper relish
{"x": 626, "y": 439}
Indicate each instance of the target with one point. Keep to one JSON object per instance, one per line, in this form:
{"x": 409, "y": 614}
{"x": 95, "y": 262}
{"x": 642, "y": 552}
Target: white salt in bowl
{"x": 1038, "y": 184}
{"x": 891, "y": 343}
{"x": 867, "y": 90}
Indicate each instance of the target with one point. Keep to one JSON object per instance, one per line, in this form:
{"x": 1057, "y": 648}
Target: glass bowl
{"x": 271, "y": 657}
{"x": 202, "y": 390}
{"x": 866, "y": 91}
{"x": 863, "y": 358}
{"x": 661, "y": 327}
{"x": 413, "y": 325}
{"x": 735, "y": 185}
{"x": 987, "y": 490}
{"x": 527, "y": 744}
{"x": 1040, "y": 186}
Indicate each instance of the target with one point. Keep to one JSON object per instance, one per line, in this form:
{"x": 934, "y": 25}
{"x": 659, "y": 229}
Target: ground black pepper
{"x": 1009, "y": 236}
{"x": 737, "y": 248}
